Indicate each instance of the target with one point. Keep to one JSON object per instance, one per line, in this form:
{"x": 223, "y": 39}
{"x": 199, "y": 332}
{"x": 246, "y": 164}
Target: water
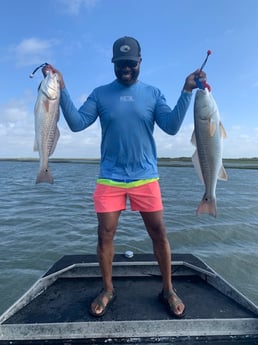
{"x": 41, "y": 223}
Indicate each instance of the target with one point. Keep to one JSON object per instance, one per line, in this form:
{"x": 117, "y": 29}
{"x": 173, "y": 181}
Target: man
{"x": 128, "y": 110}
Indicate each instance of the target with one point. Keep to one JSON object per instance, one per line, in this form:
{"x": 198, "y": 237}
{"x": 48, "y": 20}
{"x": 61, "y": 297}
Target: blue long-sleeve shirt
{"x": 127, "y": 115}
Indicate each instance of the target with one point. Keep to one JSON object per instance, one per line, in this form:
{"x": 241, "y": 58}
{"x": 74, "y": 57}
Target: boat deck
{"x": 214, "y": 310}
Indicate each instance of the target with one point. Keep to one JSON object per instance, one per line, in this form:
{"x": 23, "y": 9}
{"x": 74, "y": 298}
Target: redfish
{"x": 46, "y": 113}
{"x": 208, "y": 136}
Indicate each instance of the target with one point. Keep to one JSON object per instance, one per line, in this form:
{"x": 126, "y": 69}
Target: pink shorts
{"x": 145, "y": 198}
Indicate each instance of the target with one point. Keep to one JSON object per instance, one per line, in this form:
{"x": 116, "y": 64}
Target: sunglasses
{"x": 126, "y": 63}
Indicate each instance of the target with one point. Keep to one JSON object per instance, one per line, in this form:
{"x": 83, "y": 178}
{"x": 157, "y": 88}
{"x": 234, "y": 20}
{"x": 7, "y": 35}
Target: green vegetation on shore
{"x": 237, "y": 163}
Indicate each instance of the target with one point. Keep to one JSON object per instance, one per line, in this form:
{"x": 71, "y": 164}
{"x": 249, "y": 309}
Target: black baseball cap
{"x": 126, "y": 48}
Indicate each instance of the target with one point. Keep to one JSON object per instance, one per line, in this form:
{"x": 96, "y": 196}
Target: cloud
{"x": 241, "y": 142}
{"x": 84, "y": 144}
{"x": 16, "y": 128}
{"x": 33, "y": 51}
{"x": 178, "y": 145}
{"x": 17, "y": 136}
{"x": 74, "y": 7}
{"x": 13, "y": 112}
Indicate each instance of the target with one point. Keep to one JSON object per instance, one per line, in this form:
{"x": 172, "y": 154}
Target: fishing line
{"x": 37, "y": 68}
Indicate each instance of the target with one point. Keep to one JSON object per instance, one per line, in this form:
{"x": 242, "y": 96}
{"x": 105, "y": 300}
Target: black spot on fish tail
{"x": 207, "y": 206}
{"x": 44, "y": 176}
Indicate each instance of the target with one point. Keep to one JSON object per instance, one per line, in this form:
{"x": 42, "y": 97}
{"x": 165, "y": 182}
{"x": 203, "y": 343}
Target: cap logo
{"x": 125, "y": 48}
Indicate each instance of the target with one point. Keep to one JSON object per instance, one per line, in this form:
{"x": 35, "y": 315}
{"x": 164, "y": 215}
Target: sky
{"x": 76, "y": 36}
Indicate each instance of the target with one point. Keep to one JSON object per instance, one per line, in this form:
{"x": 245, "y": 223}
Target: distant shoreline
{"x": 237, "y": 163}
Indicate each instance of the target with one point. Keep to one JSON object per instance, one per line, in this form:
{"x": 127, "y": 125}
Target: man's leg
{"x": 155, "y": 226}
{"x": 107, "y": 223}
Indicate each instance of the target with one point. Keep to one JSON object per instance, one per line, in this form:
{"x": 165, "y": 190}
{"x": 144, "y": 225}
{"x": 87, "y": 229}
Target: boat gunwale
{"x": 116, "y": 329}
{"x": 128, "y": 329}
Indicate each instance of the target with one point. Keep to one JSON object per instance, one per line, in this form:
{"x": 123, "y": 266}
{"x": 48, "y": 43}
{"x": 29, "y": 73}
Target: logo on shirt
{"x": 126, "y": 99}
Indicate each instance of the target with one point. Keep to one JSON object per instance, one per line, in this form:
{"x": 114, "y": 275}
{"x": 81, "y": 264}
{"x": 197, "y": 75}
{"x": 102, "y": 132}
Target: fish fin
{"x": 56, "y": 137}
{"x": 212, "y": 128}
{"x": 44, "y": 175}
{"x": 193, "y": 139}
{"x": 223, "y": 133}
{"x": 197, "y": 166}
{"x": 222, "y": 175}
{"x": 207, "y": 206}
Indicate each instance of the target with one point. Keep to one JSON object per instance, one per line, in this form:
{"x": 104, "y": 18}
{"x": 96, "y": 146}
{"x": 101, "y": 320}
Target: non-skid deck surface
{"x": 68, "y": 300}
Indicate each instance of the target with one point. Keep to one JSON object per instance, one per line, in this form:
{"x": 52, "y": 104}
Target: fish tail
{"x": 44, "y": 175}
{"x": 207, "y": 206}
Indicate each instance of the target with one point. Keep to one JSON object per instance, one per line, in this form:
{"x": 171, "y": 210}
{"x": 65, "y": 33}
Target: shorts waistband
{"x": 125, "y": 183}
